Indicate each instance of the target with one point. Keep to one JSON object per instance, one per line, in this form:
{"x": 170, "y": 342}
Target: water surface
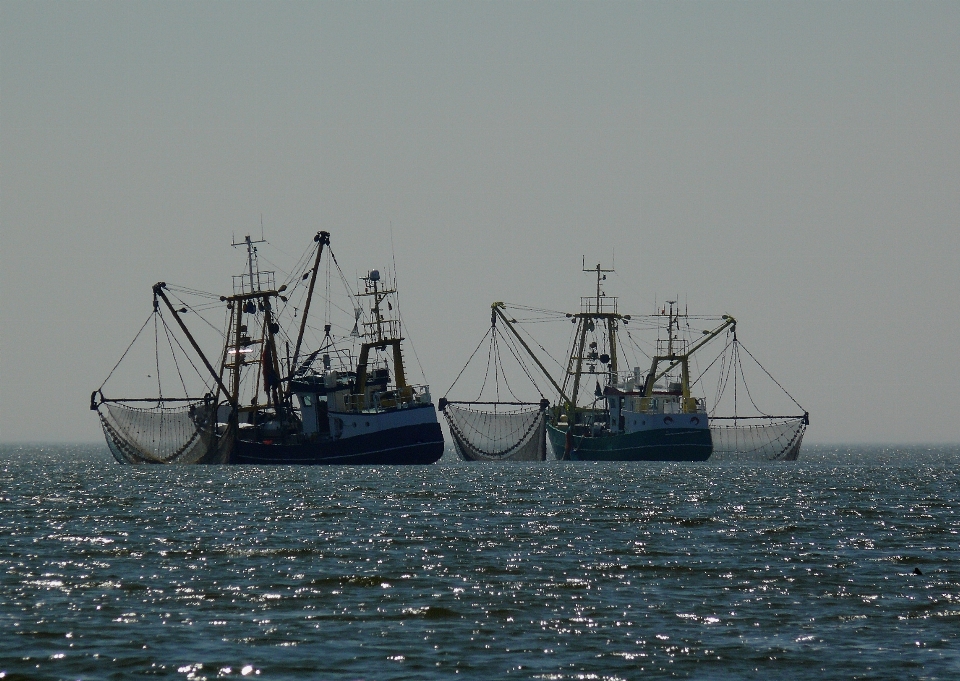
{"x": 799, "y": 570}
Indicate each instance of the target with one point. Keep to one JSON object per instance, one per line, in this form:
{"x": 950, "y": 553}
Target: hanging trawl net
{"x": 182, "y": 434}
{"x": 757, "y": 439}
{"x": 517, "y": 435}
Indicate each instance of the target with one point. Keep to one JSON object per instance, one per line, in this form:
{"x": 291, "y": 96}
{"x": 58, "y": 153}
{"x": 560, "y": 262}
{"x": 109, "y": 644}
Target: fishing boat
{"x": 642, "y": 413}
{"x": 259, "y": 406}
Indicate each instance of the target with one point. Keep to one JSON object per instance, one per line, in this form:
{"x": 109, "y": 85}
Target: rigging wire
{"x": 704, "y": 372}
{"x": 736, "y": 352}
{"x": 723, "y": 380}
{"x": 186, "y": 354}
{"x": 192, "y": 291}
{"x": 637, "y": 346}
{"x": 156, "y": 343}
{"x": 747, "y": 388}
{"x": 475, "y": 350}
{"x": 487, "y": 372}
{"x": 204, "y": 319}
{"x": 149, "y": 317}
{"x": 537, "y": 343}
{"x": 396, "y": 288}
{"x": 346, "y": 285}
{"x": 410, "y": 340}
{"x": 166, "y": 331}
{"x": 515, "y": 351}
{"x": 328, "y": 303}
{"x": 496, "y": 366}
{"x": 745, "y": 349}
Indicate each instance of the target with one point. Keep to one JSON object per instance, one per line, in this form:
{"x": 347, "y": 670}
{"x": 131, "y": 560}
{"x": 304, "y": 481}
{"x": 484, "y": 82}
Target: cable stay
{"x": 503, "y": 427}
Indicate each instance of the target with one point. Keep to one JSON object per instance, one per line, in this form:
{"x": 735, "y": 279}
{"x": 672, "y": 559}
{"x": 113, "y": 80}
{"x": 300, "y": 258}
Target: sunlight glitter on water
{"x": 555, "y": 571}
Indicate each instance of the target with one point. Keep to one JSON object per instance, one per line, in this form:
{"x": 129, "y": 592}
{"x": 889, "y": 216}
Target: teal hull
{"x": 666, "y": 444}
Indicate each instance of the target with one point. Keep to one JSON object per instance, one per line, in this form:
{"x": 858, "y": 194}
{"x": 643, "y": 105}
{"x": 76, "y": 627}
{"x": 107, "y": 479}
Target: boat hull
{"x": 664, "y": 444}
{"x": 416, "y": 444}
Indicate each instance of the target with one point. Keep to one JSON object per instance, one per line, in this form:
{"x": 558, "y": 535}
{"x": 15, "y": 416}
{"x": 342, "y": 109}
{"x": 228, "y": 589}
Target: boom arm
{"x": 322, "y": 239}
{"x": 675, "y": 360}
{"x": 158, "y": 291}
{"x": 498, "y": 310}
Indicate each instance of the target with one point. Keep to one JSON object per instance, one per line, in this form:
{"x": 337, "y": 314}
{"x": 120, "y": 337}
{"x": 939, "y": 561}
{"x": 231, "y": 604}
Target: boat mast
{"x": 251, "y": 256}
{"x": 237, "y": 354}
{"x": 392, "y": 337}
{"x": 377, "y": 297}
{"x": 670, "y": 328}
{"x": 577, "y": 360}
{"x": 248, "y": 302}
{"x": 602, "y": 311}
{"x": 322, "y": 239}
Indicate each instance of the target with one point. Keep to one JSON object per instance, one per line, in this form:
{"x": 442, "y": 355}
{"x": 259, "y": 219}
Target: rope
{"x": 166, "y": 331}
{"x": 702, "y": 373}
{"x": 202, "y": 375}
{"x": 518, "y": 356}
{"x": 468, "y": 361}
{"x": 747, "y": 388}
{"x": 204, "y": 319}
{"x": 156, "y": 347}
{"x": 149, "y": 317}
{"x": 768, "y": 374}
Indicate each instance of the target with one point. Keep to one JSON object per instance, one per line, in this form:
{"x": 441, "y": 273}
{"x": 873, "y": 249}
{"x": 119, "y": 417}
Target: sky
{"x": 794, "y": 164}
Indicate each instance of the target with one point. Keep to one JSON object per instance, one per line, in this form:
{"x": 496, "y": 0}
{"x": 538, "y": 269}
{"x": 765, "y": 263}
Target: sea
{"x": 841, "y": 565}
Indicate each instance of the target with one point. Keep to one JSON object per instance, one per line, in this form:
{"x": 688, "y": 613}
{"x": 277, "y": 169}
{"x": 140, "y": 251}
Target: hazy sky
{"x": 795, "y": 164}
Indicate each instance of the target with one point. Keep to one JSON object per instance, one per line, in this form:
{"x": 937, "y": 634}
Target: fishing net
{"x": 515, "y": 435}
{"x": 181, "y": 434}
{"x": 757, "y": 439}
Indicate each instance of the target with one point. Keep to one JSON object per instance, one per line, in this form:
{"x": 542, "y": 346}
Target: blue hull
{"x": 416, "y": 445}
{"x": 666, "y": 444}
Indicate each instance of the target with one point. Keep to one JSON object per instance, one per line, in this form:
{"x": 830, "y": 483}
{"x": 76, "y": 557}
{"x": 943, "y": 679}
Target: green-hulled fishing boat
{"x": 606, "y": 412}
{"x": 629, "y": 418}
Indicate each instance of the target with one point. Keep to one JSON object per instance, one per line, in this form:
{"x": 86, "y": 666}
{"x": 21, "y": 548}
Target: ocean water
{"x": 800, "y": 570}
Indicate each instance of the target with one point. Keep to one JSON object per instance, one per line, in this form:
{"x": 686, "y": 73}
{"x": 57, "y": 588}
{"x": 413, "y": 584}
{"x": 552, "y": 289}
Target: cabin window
{"x": 307, "y": 401}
